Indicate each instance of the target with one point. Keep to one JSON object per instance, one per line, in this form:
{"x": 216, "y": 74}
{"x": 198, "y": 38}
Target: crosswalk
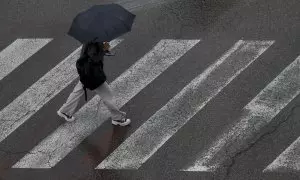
{"x": 126, "y": 86}
{"x": 165, "y": 122}
{"x": 257, "y": 114}
{"x": 36, "y": 96}
{"x": 179, "y": 110}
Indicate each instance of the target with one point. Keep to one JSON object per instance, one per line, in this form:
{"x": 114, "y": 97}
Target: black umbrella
{"x": 101, "y": 23}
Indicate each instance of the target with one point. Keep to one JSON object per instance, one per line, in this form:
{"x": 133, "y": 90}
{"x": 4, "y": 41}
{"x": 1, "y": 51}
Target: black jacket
{"x": 98, "y": 62}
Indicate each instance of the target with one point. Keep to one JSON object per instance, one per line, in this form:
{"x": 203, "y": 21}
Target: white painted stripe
{"x": 288, "y": 160}
{"x": 36, "y": 96}
{"x": 18, "y": 52}
{"x": 257, "y": 114}
{"x": 58, "y": 144}
{"x": 144, "y": 142}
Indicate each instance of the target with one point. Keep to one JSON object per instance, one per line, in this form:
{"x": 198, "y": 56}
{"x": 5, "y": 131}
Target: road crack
{"x": 251, "y": 144}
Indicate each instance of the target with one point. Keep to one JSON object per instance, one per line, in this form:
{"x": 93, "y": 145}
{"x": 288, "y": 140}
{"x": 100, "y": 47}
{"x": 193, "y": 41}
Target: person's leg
{"x": 68, "y": 108}
{"x": 118, "y": 116}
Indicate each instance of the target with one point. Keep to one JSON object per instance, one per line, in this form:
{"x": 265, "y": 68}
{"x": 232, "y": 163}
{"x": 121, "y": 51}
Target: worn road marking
{"x": 147, "y": 139}
{"x": 257, "y": 114}
{"x": 289, "y": 159}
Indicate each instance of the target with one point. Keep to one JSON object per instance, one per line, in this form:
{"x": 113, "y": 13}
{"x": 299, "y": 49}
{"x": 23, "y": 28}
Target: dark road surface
{"x": 269, "y": 37}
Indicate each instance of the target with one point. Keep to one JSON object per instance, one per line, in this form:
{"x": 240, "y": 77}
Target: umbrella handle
{"x": 109, "y": 54}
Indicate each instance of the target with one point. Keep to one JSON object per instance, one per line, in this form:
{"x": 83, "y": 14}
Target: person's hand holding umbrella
{"x": 106, "y": 48}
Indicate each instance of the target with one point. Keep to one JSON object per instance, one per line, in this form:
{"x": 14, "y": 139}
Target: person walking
{"x": 95, "y": 52}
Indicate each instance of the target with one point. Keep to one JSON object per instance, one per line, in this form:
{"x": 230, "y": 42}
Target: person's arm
{"x": 83, "y": 49}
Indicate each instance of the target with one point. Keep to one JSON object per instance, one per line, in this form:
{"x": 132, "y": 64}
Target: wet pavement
{"x": 219, "y": 25}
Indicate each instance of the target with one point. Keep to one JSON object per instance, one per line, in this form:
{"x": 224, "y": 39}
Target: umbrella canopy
{"x": 101, "y": 23}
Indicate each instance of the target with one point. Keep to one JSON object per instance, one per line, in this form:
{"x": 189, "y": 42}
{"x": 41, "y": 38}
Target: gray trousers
{"x": 103, "y": 91}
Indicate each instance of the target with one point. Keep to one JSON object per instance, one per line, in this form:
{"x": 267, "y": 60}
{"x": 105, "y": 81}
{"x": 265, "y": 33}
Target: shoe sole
{"x": 63, "y": 116}
{"x": 121, "y": 124}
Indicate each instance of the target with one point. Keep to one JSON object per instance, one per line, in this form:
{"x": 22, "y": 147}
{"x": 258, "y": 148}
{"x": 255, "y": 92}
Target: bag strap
{"x": 85, "y": 93}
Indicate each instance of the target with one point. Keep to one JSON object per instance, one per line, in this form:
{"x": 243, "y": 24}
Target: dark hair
{"x": 98, "y": 45}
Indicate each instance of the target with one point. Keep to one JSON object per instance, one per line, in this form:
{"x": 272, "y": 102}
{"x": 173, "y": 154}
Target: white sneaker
{"x": 122, "y": 122}
{"x": 67, "y": 117}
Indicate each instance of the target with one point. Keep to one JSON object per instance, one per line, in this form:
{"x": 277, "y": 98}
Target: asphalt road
{"x": 218, "y": 26}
